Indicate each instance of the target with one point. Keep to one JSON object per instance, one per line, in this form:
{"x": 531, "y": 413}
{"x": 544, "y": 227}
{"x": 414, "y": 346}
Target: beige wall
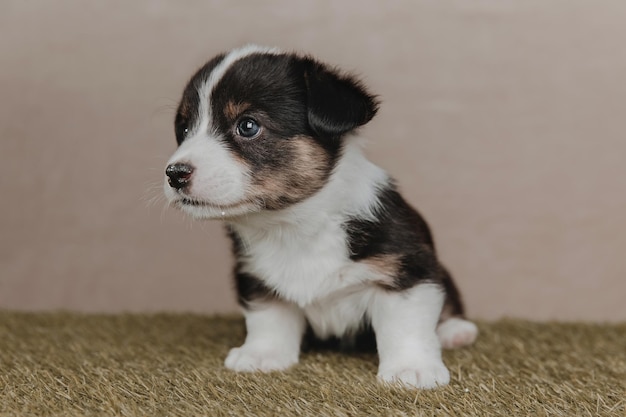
{"x": 504, "y": 122}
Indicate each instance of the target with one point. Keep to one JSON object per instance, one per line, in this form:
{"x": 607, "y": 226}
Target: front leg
{"x": 275, "y": 330}
{"x": 408, "y": 347}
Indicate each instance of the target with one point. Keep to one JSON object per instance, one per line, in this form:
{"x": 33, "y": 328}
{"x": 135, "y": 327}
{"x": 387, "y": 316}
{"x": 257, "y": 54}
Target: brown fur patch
{"x": 387, "y": 266}
{"x": 232, "y": 110}
{"x": 304, "y": 173}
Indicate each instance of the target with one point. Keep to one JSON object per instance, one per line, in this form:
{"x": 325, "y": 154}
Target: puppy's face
{"x": 260, "y": 130}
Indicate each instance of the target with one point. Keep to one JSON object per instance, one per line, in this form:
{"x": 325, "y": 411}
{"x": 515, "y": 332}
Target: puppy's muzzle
{"x": 179, "y": 175}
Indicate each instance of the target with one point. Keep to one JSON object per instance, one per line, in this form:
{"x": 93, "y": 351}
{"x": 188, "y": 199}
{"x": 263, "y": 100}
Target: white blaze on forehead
{"x": 205, "y": 90}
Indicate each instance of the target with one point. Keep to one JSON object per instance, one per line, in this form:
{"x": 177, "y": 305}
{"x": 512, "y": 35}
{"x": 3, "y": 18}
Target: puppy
{"x": 324, "y": 243}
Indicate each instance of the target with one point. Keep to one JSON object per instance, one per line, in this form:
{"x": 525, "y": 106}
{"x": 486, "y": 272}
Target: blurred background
{"x": 504, "y": 122}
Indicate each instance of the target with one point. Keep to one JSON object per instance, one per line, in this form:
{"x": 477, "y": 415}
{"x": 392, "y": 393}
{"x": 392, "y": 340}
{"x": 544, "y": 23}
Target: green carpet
{"x": 171, "y": 365}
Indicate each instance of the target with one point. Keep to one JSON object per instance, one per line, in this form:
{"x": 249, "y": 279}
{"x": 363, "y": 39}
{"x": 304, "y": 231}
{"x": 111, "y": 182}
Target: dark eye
{"x": 180, "y": 129}
{"x": 248, "y": 128}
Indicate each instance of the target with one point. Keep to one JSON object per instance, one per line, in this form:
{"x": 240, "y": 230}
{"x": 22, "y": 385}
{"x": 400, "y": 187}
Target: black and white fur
{"x": 324, "y": 243}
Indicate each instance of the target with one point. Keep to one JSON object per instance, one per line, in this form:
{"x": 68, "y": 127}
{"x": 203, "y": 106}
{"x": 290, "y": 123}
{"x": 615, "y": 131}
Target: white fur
{"x": 272, "y": 343}
{"x": 408, "y": 347}
{"x": 456, "y": 332}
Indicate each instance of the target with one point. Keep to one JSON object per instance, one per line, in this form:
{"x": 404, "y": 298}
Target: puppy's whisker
{"x": 166, "y": 108}
{"x": 153, "y": 194}
{"x": 164, "y": 209}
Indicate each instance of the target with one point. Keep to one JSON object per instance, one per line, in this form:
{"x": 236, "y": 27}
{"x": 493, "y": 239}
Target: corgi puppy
{"x": 324, "y": 243}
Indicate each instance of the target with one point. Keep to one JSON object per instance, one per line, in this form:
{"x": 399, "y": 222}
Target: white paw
{"x": 249, "y": 359}
{"x": 456, "y": 332}
{"x": 426, "y": 376}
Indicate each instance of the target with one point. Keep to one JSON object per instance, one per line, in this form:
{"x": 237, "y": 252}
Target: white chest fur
{"x": 311, "y": 268}
{"x": 302, "y": 264}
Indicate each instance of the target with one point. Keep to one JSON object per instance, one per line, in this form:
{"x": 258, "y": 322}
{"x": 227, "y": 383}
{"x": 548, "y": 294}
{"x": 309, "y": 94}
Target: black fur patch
{"x": 273, "y": 90}
{"x": 453, "y": 303}
{"x": 337, "y": 103}
{"x": 400, "y": 230}
{"x": 397, "y": 229}
{"x": 364, "y": 340}
{"x": 249, "y": 288}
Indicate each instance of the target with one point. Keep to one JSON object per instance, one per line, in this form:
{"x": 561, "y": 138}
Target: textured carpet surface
{"x": 158, "y": 365}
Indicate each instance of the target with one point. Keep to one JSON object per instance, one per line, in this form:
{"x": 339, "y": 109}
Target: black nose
{"x": 178, "y": 175}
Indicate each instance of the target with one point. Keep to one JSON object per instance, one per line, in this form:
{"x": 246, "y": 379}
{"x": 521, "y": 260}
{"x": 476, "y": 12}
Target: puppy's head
{"x": 258, "y": 129}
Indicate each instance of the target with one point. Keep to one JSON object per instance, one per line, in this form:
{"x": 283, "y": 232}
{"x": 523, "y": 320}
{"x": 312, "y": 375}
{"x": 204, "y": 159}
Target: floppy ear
{"x": 336, "y": 103}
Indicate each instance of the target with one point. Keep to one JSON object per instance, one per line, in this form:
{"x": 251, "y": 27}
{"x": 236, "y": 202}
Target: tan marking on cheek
{"x": 386, "y": 266}
{"x": 269, "y": 189}
{"x": 310, "y": 155}
{"x": 304, "y": 174}
{"x": 232, "y": 110}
